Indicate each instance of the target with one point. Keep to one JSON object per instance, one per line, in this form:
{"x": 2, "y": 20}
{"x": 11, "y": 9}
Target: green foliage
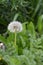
{"x": 31, "y": 28}
{"x": 40, "y": 24}
{"x": 28, "y": 10}
{"x": 30, "y": 48}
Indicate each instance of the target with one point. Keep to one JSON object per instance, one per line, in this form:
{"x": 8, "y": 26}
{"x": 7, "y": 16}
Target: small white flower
{"x": 15, "y": 26}
{"x": 2, "y": 46}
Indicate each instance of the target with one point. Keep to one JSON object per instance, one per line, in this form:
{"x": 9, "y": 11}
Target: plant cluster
{"x": 21, "y": 43}
{"x": 29, "y": 46}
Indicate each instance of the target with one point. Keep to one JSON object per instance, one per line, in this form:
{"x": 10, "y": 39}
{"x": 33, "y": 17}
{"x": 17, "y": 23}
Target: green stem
{"x": 15, "y": 39}
{"x": 15, "y": 43}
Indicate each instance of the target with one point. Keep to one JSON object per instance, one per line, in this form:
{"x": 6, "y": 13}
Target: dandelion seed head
{"x": 15, "y": 26}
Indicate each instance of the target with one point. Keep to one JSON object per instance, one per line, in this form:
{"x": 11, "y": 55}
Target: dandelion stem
{"x": 16, "y": 48}
{"x": 15, "y": 39}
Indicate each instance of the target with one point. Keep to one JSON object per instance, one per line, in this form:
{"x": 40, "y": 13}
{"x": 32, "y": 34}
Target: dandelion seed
{"x": 15, "y": 26}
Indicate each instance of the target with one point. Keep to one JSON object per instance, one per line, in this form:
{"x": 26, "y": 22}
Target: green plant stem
{"x": 16, "y": 47}
{"x": 15, "y": 39}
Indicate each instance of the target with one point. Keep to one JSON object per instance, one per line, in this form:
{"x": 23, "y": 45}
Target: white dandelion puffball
{"x": 15, "y": 26}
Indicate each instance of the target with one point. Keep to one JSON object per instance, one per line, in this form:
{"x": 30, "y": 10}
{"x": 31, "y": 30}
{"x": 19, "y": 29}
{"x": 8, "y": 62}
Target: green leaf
{"x": 40, "y": 24}
{"x": 31, "y": 29}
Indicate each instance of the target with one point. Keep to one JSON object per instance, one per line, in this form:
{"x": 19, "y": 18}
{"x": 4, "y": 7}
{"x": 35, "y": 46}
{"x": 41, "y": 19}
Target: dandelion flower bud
{"x": 15, "y": 26}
